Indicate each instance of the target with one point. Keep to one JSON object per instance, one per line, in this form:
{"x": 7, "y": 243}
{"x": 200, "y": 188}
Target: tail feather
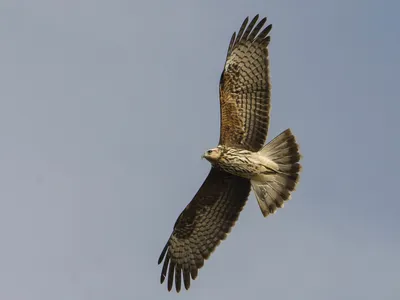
{"x": 273, "y": 189}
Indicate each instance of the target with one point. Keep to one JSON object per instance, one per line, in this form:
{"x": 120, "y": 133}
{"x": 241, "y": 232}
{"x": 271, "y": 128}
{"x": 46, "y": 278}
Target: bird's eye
{"x": 209, "y": 151}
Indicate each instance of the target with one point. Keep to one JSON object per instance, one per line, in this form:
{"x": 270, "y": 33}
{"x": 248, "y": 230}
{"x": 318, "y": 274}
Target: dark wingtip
{"x": 186, "y": 278}
{"x": 160, "y": 259}
{"x": 193, "y": 273}
{"x": 255, "y": 18}
{"x": 178, "y": 278}
{"x": 241, "y": 30}
{"x": 164, "y": 269}
{"x": 162, "y": 278}
{"x": 171, "y": 273}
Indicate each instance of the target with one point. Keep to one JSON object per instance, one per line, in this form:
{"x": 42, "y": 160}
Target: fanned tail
{"x": 273, "y": 189}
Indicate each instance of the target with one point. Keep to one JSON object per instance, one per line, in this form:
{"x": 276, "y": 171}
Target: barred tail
{"x": 273, "y": 189}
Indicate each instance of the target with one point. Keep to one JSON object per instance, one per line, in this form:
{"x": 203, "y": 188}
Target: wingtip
{"x": 255, "y": 18}
{"x": 160, "y": 259}
{"x": 162, "y": 278}
{"x": 163, "y": 252}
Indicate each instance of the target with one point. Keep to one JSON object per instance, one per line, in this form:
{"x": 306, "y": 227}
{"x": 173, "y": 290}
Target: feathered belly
{"x": 243, "y": 166}
{"x": 246, "y": 164}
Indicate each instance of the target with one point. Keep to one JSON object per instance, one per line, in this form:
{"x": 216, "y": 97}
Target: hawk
{"x": 239, "y": 162}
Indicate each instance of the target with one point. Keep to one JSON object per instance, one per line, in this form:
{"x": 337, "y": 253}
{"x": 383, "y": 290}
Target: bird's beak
{"x": 202, "y": 157}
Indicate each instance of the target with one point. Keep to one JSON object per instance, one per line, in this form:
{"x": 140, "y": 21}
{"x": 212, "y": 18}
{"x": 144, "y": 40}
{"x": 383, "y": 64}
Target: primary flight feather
{"x": 240, "y": 161}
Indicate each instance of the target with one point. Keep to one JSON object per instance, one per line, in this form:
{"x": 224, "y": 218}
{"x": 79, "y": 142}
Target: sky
{"x": 107, "y": 106}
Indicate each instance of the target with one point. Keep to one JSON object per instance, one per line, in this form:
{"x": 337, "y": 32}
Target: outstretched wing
{"x": 245, "y": 88}
{"x": 202, "y": 225}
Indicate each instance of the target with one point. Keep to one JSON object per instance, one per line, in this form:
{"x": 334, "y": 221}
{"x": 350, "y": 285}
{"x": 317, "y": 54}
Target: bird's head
{"x": 212, "y": 155}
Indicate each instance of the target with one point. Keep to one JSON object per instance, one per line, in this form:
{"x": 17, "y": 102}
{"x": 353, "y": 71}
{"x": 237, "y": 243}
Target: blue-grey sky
{"x": 107, "y": 106}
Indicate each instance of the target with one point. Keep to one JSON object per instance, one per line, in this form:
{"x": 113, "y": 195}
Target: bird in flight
{"x": 239, "y": 162}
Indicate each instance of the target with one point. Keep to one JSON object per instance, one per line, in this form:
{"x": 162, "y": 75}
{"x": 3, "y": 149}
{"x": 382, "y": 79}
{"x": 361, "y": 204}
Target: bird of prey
{"x": 239, "y": 162}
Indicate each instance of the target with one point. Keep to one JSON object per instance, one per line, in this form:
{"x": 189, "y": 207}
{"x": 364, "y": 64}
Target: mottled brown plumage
{"x": 201, "y": 226}
{"x": 245, "y": 88}
{"x": 239, "y": 162}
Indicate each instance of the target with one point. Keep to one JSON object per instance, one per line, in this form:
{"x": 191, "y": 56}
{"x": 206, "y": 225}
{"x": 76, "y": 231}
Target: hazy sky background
{"x": 107, "y": 106}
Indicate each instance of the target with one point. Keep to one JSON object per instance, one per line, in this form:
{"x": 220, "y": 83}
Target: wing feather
{"x": 257, "y": 29}
{"x": 249, "y": 28}
{"x": 241, "y": 30}
{"x": 202, "y": 225}
{"x": 245, "y": 88}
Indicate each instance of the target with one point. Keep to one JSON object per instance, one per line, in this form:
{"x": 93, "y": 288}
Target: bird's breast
{"x": 241, "y": 163}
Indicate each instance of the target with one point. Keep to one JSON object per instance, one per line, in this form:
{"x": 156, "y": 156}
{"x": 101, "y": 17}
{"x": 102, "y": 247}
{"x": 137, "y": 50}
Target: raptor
{"x": 239, "y": 163}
